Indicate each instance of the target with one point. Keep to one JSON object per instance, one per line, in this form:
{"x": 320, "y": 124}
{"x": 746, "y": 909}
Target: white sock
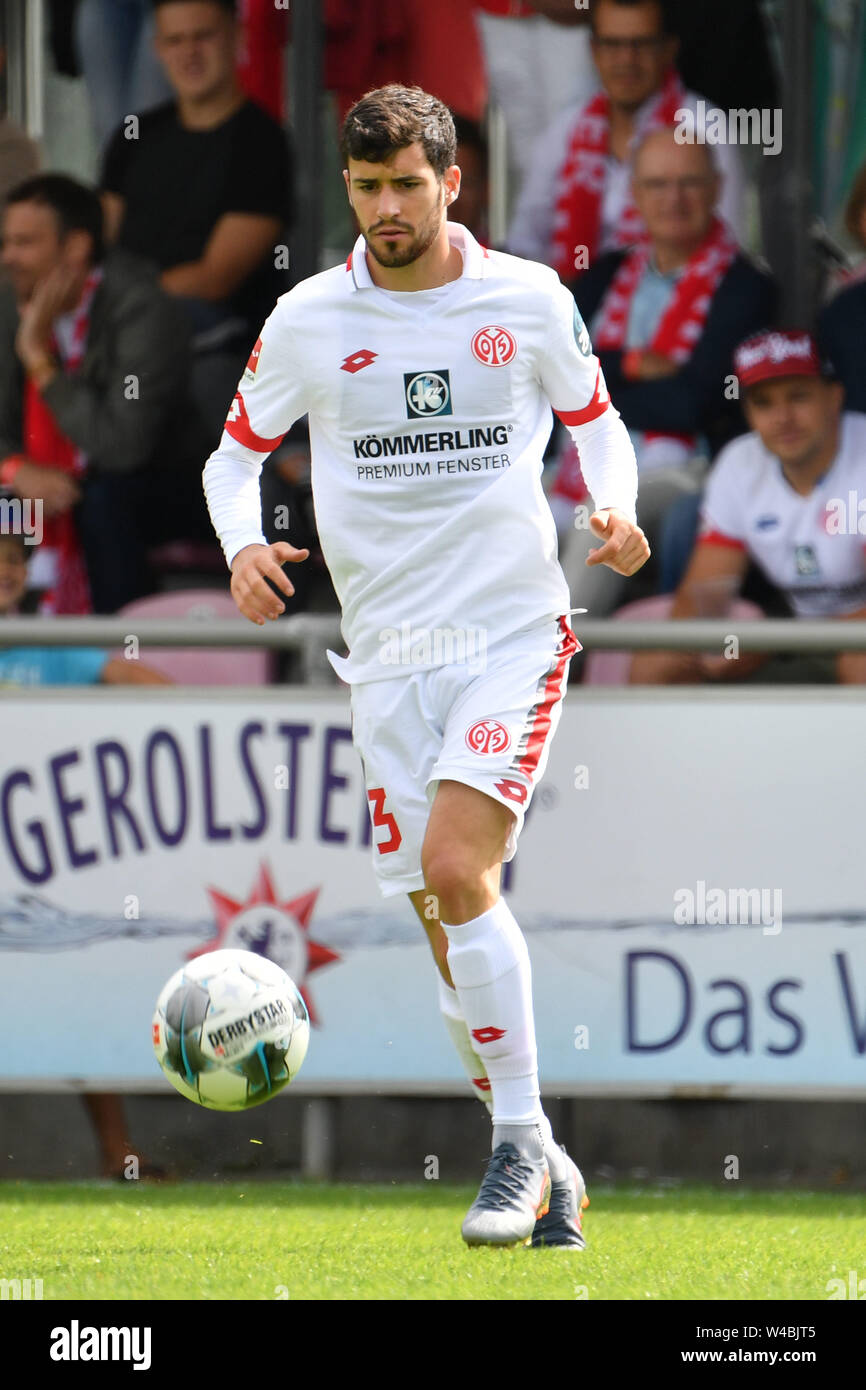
{"x": 449, "y": 1006}
{"x": 553, "y": 1153}
{"x": 489, "y": 964}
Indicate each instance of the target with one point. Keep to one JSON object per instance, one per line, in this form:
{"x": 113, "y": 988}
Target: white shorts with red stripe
{"x": 490, "y": 728}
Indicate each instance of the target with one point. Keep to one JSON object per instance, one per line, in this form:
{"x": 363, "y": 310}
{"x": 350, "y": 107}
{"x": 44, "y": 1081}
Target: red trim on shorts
{"x": 540, "y": 726}
{"x": 719, "y": 538}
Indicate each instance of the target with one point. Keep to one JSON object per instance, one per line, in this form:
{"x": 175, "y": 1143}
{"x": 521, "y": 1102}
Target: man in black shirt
{"x": 201, "y": 186}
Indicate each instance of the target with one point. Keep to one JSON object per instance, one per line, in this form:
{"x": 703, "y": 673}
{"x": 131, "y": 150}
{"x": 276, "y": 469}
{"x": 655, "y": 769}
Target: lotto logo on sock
{"x": 486, "y": 1035}
{"x": 481, "y": 1082}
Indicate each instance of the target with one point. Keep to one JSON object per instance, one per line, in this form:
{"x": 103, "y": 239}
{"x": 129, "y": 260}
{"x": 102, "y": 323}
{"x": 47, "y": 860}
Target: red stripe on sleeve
{"x": 597, "y": 406}
{"x": 719, "y": 538}
{"x": 239, "y": 427}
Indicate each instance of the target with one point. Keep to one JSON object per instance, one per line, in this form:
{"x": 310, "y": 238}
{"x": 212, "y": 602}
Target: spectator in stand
{"x": 95, "y": 419}
{"x": 576, "y": 203}
{"x": 664, "y": 319}
{"x": 781, "y": 496}
{"x": 114, "y": 47}
{"x": 471, "y": 208}
{"x": 201, "y": 186}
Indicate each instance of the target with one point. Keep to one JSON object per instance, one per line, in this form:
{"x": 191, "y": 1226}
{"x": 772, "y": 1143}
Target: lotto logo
{"x": 358, "y": 360}
{"x": 155, "y": 1034}
{"x": 494, "y": 346}
{"x": 488, "y": 1034}
{"x": 488, "y": 736}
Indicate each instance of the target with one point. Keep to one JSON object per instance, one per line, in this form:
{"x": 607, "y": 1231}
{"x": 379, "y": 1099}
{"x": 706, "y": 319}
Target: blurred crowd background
{"x": 165, "y": 206}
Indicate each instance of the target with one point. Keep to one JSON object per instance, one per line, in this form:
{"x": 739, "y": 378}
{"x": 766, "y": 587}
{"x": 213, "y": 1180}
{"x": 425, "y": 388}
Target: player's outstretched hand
{"x": 625, "y": 546}
{"x": 250, "y": 567}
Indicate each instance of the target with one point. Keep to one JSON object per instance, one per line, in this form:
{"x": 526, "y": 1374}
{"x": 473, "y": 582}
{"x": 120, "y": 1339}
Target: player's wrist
{"x": 251, "y": 545}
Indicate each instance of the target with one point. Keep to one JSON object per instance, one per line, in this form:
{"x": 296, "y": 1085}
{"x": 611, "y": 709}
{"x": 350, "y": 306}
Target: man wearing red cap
{"x": 787, "y": 496}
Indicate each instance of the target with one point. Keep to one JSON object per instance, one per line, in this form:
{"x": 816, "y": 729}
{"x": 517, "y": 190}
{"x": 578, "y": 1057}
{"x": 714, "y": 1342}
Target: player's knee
{"x": 449, "y": 873}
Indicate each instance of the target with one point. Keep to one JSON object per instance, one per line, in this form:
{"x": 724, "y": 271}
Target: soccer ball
{"x": 230, "y": 1030}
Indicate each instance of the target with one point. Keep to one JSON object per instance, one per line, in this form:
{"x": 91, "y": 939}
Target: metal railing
{"x": 309, "y": 634}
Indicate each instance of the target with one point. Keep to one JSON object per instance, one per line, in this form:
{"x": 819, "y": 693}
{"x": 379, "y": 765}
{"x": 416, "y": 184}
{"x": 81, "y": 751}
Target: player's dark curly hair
{"x": 390, "y": 118}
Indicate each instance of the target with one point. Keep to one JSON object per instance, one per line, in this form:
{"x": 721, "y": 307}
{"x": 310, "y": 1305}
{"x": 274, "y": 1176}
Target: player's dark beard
{"x": 401, "y": 254}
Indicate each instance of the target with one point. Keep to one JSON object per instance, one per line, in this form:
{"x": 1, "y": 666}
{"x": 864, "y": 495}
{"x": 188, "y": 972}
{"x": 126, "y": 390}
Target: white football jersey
{"x": 812, "y": 548}
{"x": 428, "y": 415}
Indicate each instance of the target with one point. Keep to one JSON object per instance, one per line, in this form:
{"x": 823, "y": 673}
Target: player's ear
{"x": 451, "y": 183}
{"x": 348, "y": 186}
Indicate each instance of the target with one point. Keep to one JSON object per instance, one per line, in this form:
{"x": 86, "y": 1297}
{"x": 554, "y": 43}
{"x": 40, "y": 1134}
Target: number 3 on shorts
{"x": 382, "y": 817}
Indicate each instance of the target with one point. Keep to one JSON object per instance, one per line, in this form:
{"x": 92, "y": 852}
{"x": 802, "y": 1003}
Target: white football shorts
{"x": 489, "y": 724}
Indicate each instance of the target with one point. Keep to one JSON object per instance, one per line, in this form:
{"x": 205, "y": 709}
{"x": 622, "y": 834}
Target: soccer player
{"x": 428, "y": 367}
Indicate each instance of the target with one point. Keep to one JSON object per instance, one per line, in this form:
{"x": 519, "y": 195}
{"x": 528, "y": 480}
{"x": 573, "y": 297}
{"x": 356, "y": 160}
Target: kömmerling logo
{"x": 427, "y": 393}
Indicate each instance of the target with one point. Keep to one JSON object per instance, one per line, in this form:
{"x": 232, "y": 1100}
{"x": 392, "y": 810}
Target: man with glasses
{"x": 665, "y": 317}
{"x": 576, "y": 203}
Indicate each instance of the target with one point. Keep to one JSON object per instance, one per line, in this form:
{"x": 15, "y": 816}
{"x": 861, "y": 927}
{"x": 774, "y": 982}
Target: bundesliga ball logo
{"x": 494, "y": 346}
{"x": 488, "y": 736}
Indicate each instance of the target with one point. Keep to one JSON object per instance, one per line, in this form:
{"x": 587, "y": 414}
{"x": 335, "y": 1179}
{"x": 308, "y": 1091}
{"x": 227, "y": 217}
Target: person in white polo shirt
{"x": 790, "y": 496}
{"x": 428, "y": 367}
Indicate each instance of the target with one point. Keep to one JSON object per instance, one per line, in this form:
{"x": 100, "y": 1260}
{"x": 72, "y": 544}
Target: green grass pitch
{"x": 278, "y": 1240}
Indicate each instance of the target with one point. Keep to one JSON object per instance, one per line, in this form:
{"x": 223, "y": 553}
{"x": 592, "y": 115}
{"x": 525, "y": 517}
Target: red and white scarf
{"x": 682, "y": 323}
{"x": 577, "y": 219}
{"x": 680, "y": 326}
{"x": 60, "y": 558}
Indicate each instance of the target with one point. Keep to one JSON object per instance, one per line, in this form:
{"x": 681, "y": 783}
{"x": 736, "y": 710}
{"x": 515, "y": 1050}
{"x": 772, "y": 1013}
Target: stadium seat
{"x": 612, "y": 667}
{"x": 200, "y": 665}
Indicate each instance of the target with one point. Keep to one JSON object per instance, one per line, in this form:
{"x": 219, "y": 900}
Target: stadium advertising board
{"x": 689, "y": 879}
